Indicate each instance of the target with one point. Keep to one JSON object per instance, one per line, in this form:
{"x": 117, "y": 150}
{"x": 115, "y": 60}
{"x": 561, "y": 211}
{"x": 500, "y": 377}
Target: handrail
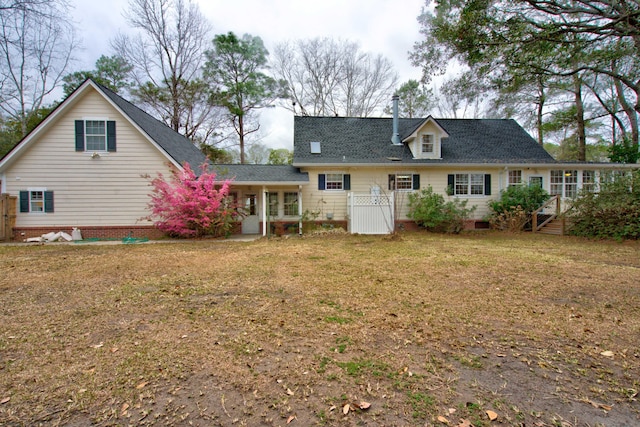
{"x": 534, "y": 226}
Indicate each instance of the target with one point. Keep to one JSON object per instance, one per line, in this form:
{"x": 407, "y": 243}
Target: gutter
{"x": 477, "y": 165}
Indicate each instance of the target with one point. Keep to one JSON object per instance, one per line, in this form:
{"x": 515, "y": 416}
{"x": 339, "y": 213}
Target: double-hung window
{"x": 404, "y": 182}
{"x": 427, "y": 144}
{"x": 469, "y": 184}
{"x": 291, "y": 204}
{"x": 334, "y": 181}
{"x": 95, "y": 135}
{"x": 273, "y": 204}
{"x": 515, "y": 177}
{"x": 36, "y": 200}
{"x": 589, "y": 181}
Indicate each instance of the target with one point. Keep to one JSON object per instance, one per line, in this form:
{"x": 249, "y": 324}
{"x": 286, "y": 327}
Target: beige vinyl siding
{"x": 363, "y": 179}
{"x": 109, "y": 190}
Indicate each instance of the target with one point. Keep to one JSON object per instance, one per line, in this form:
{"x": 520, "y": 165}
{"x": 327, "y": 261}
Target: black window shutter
{"x": 392, "y": 182}
{"x": 321, "y": 181}
{"x": 416, "y": 181}
{"x": 487, "y": 184}
{"x": 79, "y": 135}
{"x": 48, "y": 201}
{"x": 111, "y": 136}
{"x": 24, "y": 201}
{"x": 451, "y": 181}
{"x": 346, "y": 181}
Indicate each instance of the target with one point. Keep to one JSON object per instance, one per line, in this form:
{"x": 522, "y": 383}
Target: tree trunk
{"x": 580, "y": 131}
{"x": 241, "y": 137}
{"x": 629, "y": 111}
{"x": 541, "y": 101}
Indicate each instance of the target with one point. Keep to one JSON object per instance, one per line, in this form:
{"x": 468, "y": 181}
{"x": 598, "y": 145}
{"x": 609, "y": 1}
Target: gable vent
{"x": 315, "y": 147}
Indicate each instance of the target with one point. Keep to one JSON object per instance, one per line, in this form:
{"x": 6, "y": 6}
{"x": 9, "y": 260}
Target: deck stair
{"x": 546, "y": 219}
{"x": 555, "y": 226}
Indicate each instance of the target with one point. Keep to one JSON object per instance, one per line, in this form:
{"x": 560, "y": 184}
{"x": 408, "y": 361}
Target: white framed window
{"x": 589, "y": 181}
{"x": 428, "y": 145}
{"x": 95, "y": 134}
{"x": 36, "y": 200}
{"x": 461, "y": 186}
{"x": 564, "y": 183}
{"x": 556, "y": 183}
{"x": 469, "y": 184}
{"x": 335, "y": 181}
{"x": 515, "y": 177}
{"x": 273, "y": 204}
{"x": 291, "y": 204}
{"x": 476, "y": 184}
{"x": 404, "y": 182}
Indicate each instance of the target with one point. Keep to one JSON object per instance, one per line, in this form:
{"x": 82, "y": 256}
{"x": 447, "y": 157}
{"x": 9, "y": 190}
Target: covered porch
{"x": 271, "y": 196}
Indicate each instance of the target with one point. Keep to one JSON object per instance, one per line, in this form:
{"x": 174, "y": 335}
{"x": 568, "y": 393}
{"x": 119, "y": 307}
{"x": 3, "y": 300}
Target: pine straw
{"x": 292, "y": 330}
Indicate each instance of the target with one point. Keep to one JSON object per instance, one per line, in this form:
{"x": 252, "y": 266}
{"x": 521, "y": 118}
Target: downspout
{"x": 300, "y": 210}
{"x": 264, "y": 211}
{"x": 395, "y": 137}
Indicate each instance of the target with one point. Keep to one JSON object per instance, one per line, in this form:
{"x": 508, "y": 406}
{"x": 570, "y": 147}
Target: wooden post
{"x": 8, "y": 205}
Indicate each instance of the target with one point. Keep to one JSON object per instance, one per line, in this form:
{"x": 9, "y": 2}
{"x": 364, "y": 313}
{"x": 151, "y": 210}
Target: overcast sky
{"x": 388, "y": 27}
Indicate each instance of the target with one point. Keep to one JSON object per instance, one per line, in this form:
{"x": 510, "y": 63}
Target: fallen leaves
{"x": 443, "y": 420}
{"x": 492, "y": 415}
{"x": 361, "y": 405}
{"x": 5, "y": 400}
{"x": 607, "y": 353}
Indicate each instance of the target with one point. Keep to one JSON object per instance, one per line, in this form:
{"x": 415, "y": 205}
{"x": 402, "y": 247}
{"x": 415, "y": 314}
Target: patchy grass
{"x": 541, "y": 330}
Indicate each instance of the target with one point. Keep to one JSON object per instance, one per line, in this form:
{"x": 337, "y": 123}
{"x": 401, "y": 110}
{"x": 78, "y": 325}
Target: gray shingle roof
{"x": 368, "y": 141}
{"x": 180, "y": 148}
{"x": 263, "y": 174}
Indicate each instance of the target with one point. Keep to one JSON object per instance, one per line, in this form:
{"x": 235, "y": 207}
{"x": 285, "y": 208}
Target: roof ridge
{"x": 103, "y": 87}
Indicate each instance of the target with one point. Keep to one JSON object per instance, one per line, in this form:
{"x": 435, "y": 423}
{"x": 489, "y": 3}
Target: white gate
{"x": 371, "y": 213}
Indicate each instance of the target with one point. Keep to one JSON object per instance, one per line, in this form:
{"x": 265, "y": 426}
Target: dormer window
{"x": 427, "y": 144}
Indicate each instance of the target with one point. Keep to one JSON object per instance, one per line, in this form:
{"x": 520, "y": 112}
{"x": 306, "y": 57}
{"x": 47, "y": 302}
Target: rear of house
{"x": 86, "y": 166}
{"x": 361, "y": 170}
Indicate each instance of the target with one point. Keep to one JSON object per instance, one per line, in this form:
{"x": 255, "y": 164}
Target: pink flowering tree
{"x": 186, "y": 205}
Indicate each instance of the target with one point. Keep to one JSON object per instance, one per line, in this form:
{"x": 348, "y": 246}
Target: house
{"x": 362, "y": 169}
{"x": 84, "y": 166}
{"x": 87, "y": 165}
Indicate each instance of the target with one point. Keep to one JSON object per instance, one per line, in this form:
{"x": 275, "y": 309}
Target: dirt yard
{"x": 418, "y": 330}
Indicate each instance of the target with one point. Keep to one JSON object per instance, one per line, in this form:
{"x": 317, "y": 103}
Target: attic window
{"x": 315, "y": 147}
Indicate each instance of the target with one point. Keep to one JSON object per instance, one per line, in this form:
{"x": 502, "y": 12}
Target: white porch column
{"x": 300, "y": 209}
{"x": 264, "y": 211}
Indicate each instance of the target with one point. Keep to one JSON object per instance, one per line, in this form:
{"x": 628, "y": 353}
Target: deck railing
{"x": 555, "y": 200}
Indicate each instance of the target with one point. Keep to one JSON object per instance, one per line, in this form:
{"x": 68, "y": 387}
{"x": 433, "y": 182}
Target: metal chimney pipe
{"x": 395, "y": 137}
